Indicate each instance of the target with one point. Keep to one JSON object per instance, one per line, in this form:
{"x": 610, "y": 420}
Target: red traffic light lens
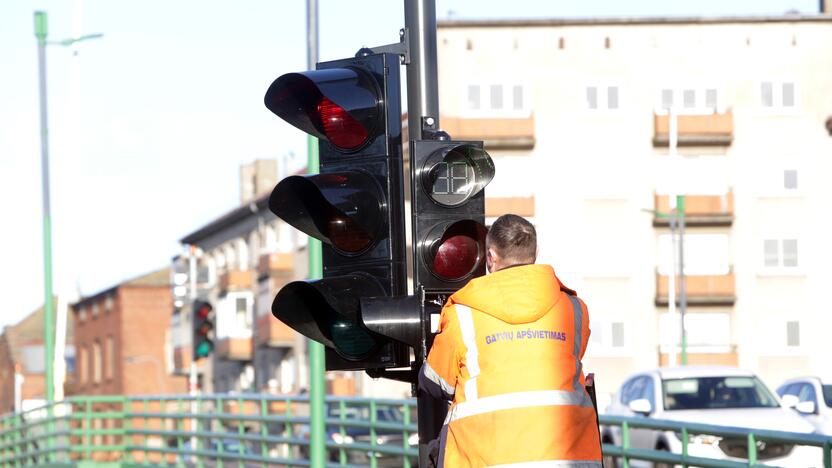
{"x": 203, "y": 312}
{"x": 456, "y": 257}
{"x": 340, "y": 127}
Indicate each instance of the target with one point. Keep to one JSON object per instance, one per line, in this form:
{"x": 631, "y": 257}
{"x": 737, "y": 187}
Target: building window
{"x": 108, "y": 304}
{"x": 96, "y": 362}
{"x": 499, "y": 98}
{"x": 82, "y": 314}
{"x": 94, "y": 309}
{"x": 778, "y": 95}
{"x": 793, "y": 334}
{"x": 110, "y": 357}
{"x": 617, "y": 334}
{"x": 780, "y": 253}
{"x": 602, "y": 97}
{"x": 243, "y": 317}
{"x": 690, "y": 100}
{"x": 790, "y": 179}
{"x": 474, "y": 97}
{"x": 83, "y": 365}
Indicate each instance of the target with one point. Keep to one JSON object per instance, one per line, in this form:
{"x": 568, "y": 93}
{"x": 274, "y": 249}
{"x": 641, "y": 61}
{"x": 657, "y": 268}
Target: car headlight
{"x": 340, "y": 439}
{"x": 413, "y": 439}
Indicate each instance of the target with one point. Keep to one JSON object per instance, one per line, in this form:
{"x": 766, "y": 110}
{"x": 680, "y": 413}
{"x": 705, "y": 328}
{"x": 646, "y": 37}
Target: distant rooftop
{"x": 632, "y": 20}
{"x": 159, "y": 277}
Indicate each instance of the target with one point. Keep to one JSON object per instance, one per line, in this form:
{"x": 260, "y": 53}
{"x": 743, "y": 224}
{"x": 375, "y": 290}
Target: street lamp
{"x": 41, "y": 32}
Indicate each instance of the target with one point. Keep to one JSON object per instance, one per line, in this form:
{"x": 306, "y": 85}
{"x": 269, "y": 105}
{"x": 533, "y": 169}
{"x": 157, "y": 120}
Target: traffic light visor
{"x": 328, "y": 311}
{"x": 342, "y": 209}
{"x": 339, "y": 105}
{"x": 455, "y": 173}
{"x": 456, "y": 250}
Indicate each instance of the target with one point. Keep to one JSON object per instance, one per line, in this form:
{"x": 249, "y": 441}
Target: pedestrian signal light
{"x": 449, "y": 230}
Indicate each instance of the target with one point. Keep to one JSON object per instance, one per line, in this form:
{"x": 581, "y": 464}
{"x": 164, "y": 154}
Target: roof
{"x": 229, "y": 219}
{"x": 701, "y": 371}
{"x": 25, "y": 336}
{"x": 634, "y": 20}
{"x": 155, "y": 278}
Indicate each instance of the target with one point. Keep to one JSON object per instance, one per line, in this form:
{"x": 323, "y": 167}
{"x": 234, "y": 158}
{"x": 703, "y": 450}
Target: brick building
{"x": 22, "y": 363}
{"x": 120, "y": 338}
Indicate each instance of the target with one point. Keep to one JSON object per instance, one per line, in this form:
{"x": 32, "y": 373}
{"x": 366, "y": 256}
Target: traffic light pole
{"x": 317, "y": 428}
{"x": 422, "y": 119}
{"x": 422, "y": 86}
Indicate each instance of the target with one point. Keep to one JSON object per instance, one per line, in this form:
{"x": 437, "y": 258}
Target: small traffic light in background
{"x": 354, "y": 206}
{"x": 202, "y": 321}
{"x": 448, "y": 209}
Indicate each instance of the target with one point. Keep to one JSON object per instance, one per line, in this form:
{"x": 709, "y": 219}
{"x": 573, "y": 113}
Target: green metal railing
{"x": 226, "y": 430}
{"x": 751, "y": 438}
{"x": 248, "y": 430}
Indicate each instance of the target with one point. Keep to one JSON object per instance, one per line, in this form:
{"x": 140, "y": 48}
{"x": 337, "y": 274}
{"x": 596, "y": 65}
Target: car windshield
{"x": 827, "y": 395}
{"x": 385, "y": 414}
{"x": 716, "y": 392}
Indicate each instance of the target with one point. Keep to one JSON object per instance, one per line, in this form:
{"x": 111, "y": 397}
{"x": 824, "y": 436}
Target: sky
{"x": 149, "y": 124}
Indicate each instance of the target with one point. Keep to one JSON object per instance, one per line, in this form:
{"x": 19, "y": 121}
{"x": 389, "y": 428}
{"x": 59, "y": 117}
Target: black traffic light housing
{"x": 202, "y": 321}
{"x": 448, "y": 211}
{"x": 355, "y": 205}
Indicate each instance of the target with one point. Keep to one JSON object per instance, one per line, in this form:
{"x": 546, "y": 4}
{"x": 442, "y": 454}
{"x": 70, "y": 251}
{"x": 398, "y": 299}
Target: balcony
{"x": 703, "y": 356}
{"x": 236, "y": 280}
{"x": 511, "y": 133}
{"x": 700, "y": 210}
{"x": 696, "y": 130}
{"x": 701, "y": 290}
{"x": 275, "y": 262}
{"x": 274, "y": 333}
{"x": 234, "y": 349}
{"x": 497, "y": 206}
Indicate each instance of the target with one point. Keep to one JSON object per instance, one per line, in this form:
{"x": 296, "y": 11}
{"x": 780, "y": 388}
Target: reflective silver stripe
{"x": 552, "y": 464}
{"x": 514, "y": 401}
{"x": 469, "y": 338}
{"x": 434, "y": 377}
{"x": 578, "y": 313}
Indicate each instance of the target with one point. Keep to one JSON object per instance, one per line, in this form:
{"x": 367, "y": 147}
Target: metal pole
{"x": 671, "y": 198}
{"x": 423, "y": 113}
{"x": 422, "y": 76}
{"x": 683, "y": 299}
{"x": 317, "y": 391}
{"x": 41, "y": 31}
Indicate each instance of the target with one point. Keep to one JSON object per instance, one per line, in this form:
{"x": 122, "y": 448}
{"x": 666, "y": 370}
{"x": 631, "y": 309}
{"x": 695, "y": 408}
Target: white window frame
{"x": 780, "y": 268}
{"x": 771, "y": 180}
{"x": 776, "y": 331}
{"x": 777, "y": 107}
{"x": 507, "y": 110}
{"x": 227, "y": 325}
{"x": 700, "y": 95}
{"x": 602, "y": 88}
{"x": 601, "y": 337}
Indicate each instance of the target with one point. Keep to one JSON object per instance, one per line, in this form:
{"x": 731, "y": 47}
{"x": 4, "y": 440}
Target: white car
{"x": 717, "y": 395}
{"x": 812, "y": 397}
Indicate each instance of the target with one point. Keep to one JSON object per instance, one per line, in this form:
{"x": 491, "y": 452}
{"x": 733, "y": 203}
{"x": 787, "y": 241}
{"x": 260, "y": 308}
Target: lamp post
{"x": 41, "y": 31}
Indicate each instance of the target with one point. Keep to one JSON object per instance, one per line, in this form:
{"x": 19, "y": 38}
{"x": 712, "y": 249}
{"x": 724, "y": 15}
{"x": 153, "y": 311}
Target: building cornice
{"x": 631, "y": 21}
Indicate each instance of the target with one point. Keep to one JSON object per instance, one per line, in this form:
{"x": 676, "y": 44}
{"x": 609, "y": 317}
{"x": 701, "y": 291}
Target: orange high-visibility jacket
{"x": 508, "y": 353}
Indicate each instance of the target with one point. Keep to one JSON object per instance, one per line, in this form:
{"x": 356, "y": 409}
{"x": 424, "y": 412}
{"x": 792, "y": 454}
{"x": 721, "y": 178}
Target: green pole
{"x": 41, "y": 31}
{"x": 317, "y": 439}
{"x": 683, "y": 298}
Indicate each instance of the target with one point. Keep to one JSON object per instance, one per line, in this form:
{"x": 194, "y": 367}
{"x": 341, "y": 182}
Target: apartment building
{"x": 120, "y": 337}
{"x": 576, "y": 114}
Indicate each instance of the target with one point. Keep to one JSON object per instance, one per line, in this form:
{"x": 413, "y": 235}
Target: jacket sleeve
{"x": 440, "y": 371}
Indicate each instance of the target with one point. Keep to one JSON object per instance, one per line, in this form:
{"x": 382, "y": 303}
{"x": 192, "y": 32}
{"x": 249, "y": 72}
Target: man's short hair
{"x": 514, "y": 239}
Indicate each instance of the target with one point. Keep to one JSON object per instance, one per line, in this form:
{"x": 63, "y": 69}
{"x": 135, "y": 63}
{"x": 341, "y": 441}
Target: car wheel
{"x": 662, "y": 448}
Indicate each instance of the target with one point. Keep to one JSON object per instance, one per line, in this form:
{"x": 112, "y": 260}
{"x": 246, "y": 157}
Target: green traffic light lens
{"x": 350, "y": 340}
{"x": 203, "y": 349}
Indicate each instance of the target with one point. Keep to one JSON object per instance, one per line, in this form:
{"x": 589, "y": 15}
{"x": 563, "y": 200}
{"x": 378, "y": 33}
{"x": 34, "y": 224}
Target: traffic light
{"x": 448, "y": 210}
{"x": 202, "y": 321}
{"x": 354, "y": 206}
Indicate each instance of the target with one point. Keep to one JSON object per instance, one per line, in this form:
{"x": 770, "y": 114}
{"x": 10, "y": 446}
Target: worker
{"x": 508, "y": 354}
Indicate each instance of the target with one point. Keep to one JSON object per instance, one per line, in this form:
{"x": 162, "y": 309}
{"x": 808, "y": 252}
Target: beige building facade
{"x": 576, "y": 117}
